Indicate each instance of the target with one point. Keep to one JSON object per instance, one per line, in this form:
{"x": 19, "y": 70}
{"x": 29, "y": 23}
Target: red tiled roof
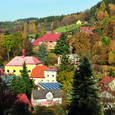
{"x": 19, "y": 60}
{"x": 38, "y": 72}
{"x": 107, "y": 80}
{"x": 84, "y": 28}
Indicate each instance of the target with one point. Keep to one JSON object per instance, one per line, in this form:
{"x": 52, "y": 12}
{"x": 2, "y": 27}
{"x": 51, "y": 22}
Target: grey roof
{"x": 41, "y": 94}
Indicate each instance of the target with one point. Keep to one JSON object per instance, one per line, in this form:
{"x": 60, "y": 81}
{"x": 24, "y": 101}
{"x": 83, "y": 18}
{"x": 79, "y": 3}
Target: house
{"x": 43, "y": 74}
{"x": 109, "y": 82}
{"x": 48, "y": 86}
{"x": 48, "y": 39}
{"x": 107, "y": 97}
{"x": 46, "y": 97}
{"x": 78, "y": 22}
{"x": 86, "y": 29}
{"x": 73, "y": 57}
{"x": 15, "y": 66}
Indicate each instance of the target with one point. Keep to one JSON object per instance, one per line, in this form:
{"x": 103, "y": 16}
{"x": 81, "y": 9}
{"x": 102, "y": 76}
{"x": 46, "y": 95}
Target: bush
{"x": 1, "y": 64}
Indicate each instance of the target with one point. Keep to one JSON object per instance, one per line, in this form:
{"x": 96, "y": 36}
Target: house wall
{"x": 47, "y": 79}
{"x": 106, "y": 94}
{"x": 49, "y": 44}
{"x": 112, "y": 85}
{"x": 45, "y": 102}
{"x": 18, "y": 68}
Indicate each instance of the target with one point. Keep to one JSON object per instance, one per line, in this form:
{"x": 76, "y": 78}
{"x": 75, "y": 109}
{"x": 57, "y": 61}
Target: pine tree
{"x": 25, "y": 76}
{"x": 111, "y": 73}
{"x": 66, "y": 64}
{"x": 42, "y": 54}
{"x": 62, "y": 45}
{"x": 17, "y": 85}
{"x": 84, "y": 97}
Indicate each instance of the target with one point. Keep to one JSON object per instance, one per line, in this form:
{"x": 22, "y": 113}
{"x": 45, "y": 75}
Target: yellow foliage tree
{"x": 111, "y": 57}
{"x": 66, "y": 78}
{"x": 102, "y": 6}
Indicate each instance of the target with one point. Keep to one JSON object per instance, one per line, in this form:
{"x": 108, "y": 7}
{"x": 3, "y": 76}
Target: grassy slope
{"x": 69, "y": 27}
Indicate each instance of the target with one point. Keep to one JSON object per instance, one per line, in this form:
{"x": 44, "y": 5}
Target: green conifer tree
{"x": 62, "y": 45}
{"x": 111, "y": 73}
{"x": 84, "y": 96}
{"x": 25, "y": 76}
{"x": 42, "y": 54}
{"x": 66, "y": 63}
{"x": 17, "y": 85}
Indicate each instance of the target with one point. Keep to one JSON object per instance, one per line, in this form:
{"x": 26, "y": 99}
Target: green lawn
{"x": 66, "y": 28}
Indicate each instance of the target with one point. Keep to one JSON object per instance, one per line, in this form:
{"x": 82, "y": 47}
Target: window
{"x": 14, "y": 70}
{"x": 20, "y": 71}
{"x": 34, "y": 79}
{"x": 104, "y": 95}
{"x": 50, "y": 42}
{"x": 48, "y": 81}
{"x": 46, "y": 42}
{"x": 8, "y": 70}
{"x": 29, "y": 70}
{"x": 41, "y": 80}
{"x": 52, "y": 75}
{"x": 53, "y": 81}
{"x": 47, "y": 75}
{"x": 50, "y": 46}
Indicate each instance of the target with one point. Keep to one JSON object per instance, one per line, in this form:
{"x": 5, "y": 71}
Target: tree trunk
{"x": 8, "y": 55}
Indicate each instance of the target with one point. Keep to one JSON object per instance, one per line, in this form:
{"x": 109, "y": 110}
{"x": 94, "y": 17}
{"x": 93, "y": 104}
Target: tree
{"x": 102, "y": 6}
{"x": 6, "y": 99}
{"x": 28, "y": 47}
{"x": 98, "y": 31}
{"x": 111, "y": 73}
{"x": 8, "y": 43}
{"x": 27, "y": 36}
{"x": 62, "y": 45}
{"x": 66, "y": 64}
{"x": 33, "y": 84}
{"x": 25, "y": 76}
{"x": 42, "y": 54}
{"x": 1, "y": 64}
{"x": 6, "y": 32}
{"x": 17, "y": 85}
{"x": 36, "y": 37}
{"x": 84, "y": 96}
{"x": 105, "y": 22}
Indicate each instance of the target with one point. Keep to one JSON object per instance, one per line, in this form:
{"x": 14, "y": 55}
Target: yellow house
{"x": 15, "y": 66}
{"x": 78, "y": 22}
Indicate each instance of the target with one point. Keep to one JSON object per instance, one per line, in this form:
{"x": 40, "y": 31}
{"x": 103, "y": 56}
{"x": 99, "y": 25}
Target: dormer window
{"x": 8, "y": 70}
{"x": 29, "y": 70}
{"x": 14, "y": 70}
{"x": 50, "y": 42}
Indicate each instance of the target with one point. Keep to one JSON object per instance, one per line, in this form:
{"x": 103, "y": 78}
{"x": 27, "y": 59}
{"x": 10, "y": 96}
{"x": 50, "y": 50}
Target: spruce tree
{"x": 17, "y": 85}
{"x": 84, "y": 96}
{"x": 111, "y": 73}
{"x": 66, "y": 63}
{"x": 42, "y": 54}
{"x": 25, "y": 76}
{"x": 62, "y": 45}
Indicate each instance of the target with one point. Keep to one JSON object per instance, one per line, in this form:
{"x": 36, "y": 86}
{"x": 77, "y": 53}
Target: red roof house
{"x": 49, "y": 40}
{"x": 38, "y": 72}
{"x": 107, "y": 80}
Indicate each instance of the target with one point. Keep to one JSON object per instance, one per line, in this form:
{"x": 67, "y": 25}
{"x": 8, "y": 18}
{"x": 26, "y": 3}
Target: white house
{"x": 43, "y": 74}
{"x": 46, "y": 97}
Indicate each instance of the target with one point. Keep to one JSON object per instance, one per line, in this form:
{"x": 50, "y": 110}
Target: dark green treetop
{"x": 62, "y": 45}
{"x": 42, "y": 54}
{"x": 25, "y": 76}
{"x": 84, "y": 98}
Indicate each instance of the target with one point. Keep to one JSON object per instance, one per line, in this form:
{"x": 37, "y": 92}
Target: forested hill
{"x": 91, "y": 15}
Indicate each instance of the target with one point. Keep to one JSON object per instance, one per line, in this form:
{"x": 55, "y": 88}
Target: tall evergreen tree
{"x": 85, "y": 98}
{"x": 111, "y": 73}
{"x": 17, "y": 85}
{"x": 62, "y": 45}
{"x": 42, "y": 54}
{"x": 25, "y": 76}
{"x": 66, "y": 63}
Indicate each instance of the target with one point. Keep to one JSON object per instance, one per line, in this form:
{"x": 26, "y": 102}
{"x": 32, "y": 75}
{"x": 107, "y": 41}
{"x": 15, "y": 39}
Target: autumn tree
{"x": 102, "y": 6}
{"x": 28, "y": 47}
{"x": 105, "y": 22}
{"x": 81, "y": 43}
{"x": 8, "y": 43}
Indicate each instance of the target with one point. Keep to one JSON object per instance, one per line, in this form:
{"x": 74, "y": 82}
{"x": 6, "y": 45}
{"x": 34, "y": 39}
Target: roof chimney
{"x": 52, "y": 32}
{"x": 23, "y": 53}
